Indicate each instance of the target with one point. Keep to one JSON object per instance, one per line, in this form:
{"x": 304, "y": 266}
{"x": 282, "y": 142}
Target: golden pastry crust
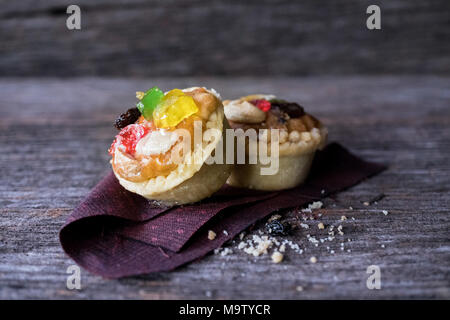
{"x": 293, "y": 170}
{"x": 192, "y": 180}
{"x": 299, "y": 138}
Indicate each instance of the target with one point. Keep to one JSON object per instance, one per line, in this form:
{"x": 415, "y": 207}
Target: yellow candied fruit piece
{"x": 174, "y": 107}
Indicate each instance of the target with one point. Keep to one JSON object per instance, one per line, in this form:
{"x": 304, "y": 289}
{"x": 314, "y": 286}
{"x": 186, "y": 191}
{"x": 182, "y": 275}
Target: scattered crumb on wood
{"x": 277, "y": 257}
{"x": 377, "y": 198}
{"x": 316, "y": 205}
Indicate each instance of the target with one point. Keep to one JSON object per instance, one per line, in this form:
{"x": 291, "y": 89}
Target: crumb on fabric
{"x": 321, "y": 226}
{"x": 299, "y": 288}
{"x": 211, "y": 235}
{"x": 313, "y": 259}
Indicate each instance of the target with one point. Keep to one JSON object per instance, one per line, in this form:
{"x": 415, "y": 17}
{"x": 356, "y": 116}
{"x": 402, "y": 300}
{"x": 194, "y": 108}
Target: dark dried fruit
{"x": 276, "y": 227}
{"x": 129, "y": 117}
{"x": 294, "y": 110}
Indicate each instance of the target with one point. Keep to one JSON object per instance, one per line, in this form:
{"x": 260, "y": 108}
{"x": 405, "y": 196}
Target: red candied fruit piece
{"x": 262, "y": 104}
{"x": 129, "y": 137}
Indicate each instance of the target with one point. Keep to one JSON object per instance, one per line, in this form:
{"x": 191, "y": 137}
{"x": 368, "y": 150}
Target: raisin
{"x": 129, "y": 117}
{"x": 294, "y": 110}
{"x": 276, "y": 227}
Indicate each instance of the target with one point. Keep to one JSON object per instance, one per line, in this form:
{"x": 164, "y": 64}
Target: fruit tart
{"x": 156, "y": 154}
{"x": 299, "y": 135}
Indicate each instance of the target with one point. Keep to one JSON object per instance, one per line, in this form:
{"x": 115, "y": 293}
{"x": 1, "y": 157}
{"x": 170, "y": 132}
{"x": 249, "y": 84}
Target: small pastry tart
{"x": 300, "y": 135}
{"x": 151, "y": 155}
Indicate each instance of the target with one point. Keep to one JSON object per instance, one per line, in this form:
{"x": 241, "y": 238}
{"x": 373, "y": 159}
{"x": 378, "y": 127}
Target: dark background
{"x": 223, "y": 38}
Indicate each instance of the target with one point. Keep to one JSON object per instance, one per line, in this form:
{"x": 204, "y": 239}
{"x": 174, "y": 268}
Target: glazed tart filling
{"x": 270, "y": 113}
{"x": 148, "y": 133}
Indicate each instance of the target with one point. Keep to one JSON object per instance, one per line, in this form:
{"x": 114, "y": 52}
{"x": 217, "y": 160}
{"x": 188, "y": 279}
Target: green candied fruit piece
{"x": 149, "y": 102}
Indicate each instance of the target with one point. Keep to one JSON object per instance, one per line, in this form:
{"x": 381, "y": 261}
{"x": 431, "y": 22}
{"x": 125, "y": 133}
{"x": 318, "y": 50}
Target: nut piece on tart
{"x": 143, "y": 152}
{"x": 300, "y": 135}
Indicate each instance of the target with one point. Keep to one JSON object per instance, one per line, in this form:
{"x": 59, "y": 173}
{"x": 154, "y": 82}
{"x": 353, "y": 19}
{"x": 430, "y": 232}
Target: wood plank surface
{"x": 54, "y": 135}
{"x": 235, "y": 38}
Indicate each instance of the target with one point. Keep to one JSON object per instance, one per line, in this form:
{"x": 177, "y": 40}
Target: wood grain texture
{"x": 54, "y": 135}
{"x": 234, "y": 38}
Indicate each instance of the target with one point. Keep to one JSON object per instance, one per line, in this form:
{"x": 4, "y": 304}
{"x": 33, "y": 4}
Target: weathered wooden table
{"x": 54, "y": 135}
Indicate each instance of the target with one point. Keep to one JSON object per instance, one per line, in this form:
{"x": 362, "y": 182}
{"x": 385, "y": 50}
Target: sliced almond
{"x": 243, "y": 111}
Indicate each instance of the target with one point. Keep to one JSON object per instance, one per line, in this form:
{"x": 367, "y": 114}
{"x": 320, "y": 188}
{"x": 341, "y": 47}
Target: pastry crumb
{"x": 366, "y": 203}
{"x": 274, "y": 217}
{"x": 385, "y": 212}
{"x": 316, "y": 205}
{"x": 321, "y": 226}
{"x": 343, "y": 218}
{"x": 299, "y": 288}
{"x": 226, "y": 251}
{"x": 140, "y": 95}
{"x": 211, "y": 235}
{"x": 313, "y": 259}
{"x": 277, "y": 257}
{"x": 304, "y": 225}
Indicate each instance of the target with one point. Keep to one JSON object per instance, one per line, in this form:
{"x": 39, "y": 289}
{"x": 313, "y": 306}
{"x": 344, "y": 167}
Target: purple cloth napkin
{"x": 115, "y": 233}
